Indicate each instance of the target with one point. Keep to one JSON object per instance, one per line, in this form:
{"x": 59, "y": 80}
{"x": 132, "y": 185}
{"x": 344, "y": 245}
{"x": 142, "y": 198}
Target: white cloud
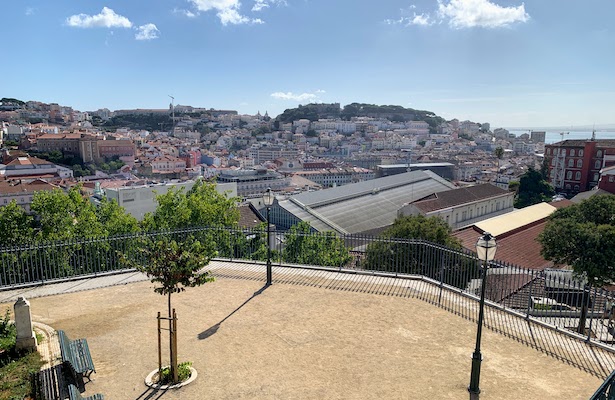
{"x": 147, "y": 32}
{"x": 259, "y": 5}
{"x": 420, "y": 19}
{"x": 464, "y": 14}
{"x": 106, "y": 19}
{"x": 186, "y": 13}
{"x": 415, "y": 19}
{"x": 226, "y": 10}
{"x": 296, "y": 97}
{"x": 30, "y": 11}
{"x": 480, "y": 13}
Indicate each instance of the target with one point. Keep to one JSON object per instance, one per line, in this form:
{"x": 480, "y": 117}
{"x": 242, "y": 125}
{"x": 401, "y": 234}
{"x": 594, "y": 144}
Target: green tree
{"x": 533, "y": 189}
{"x": 64, "y": 215}
{"x": 499, "y": 153}
{"x": 582, "y": 236}
{"x": 302, "y": 246}
{"x": 174, "y": 266}
{"x": 544, "y": 168}
{"x": 513, "y": 186}
{"x": 15, "y": 225}
{"x": 114, "y": 218}
{"x": 395, "y": 253}
{"x": 202, "y": 205}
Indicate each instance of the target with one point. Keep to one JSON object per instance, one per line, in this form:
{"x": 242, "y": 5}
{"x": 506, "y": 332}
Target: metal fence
{"x": 606, "y": 391}
{"x": 553, "y": 297}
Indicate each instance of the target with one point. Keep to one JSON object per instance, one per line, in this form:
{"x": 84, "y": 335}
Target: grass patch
{"x": 183, "y": 373}
{"x": 15, "y": 367}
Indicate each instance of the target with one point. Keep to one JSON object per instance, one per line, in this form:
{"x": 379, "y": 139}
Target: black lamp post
{"x": 268, "y": 198}
{"x": 485, "y": 248}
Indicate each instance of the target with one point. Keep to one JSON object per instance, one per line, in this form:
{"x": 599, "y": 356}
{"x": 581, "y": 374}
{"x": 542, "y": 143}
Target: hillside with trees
{"x": 314, "y": 112}
{"x": 149, "y": 122}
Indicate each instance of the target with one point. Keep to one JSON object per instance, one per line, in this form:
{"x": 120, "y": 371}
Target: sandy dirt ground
{"x": 297, "y": 342}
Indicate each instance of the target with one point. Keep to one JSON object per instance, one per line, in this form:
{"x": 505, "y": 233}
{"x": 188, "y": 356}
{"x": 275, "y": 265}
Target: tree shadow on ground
{"x": 213, "y": 329}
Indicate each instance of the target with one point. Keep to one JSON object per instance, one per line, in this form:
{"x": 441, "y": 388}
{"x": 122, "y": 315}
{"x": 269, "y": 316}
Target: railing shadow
{"x": 552, "y": 341}
{"x": 151, "y": 393}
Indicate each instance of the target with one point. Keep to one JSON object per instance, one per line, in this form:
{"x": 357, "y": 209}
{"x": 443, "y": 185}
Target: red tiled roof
{"x": 519, "y": 248}
{"x": 455, "y": 197}
{"x": 29, "y": 161}
{"x": 249, "y": 217}
{"x": 11, "y": 187}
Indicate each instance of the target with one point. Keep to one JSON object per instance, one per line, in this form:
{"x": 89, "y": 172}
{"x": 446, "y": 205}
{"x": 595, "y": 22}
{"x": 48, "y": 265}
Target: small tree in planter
{"x": 175, "y": 266}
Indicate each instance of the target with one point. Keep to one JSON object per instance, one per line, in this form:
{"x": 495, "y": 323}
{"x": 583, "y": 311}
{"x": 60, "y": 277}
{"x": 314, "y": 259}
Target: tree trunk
{"x": 171, "y": 334}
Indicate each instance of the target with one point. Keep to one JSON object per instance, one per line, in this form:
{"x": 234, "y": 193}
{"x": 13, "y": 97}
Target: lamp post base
{"x": 474, "y": 389}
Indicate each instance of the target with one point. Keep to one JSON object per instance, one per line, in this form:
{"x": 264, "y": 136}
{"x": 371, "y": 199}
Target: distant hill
{"x": 314, "y": 112}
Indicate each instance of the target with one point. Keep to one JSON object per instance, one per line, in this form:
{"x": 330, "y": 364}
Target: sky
{"x": 538, "y": 63}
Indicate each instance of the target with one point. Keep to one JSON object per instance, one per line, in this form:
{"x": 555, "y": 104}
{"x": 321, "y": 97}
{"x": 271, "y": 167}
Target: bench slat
{"x": 74, "y": 394}
{"x": 77, "y": 354}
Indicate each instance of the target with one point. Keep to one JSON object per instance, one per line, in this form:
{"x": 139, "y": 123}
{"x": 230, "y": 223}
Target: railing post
{"x": 530, "y": 302}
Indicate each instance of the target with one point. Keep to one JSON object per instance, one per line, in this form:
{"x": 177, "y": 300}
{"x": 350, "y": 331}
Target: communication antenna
{"x": 173, "y": 113}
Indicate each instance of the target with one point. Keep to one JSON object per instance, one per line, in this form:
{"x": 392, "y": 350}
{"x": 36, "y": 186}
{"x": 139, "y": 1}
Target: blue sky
{"x": 538, "y": 63}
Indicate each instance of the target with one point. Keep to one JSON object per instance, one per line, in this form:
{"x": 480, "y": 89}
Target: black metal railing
{"x": 553, "y": 297}
{"x": 606, "y": 391}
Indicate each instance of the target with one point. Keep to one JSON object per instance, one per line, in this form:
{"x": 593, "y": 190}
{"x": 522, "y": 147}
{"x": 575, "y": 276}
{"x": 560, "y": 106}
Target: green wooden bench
{"x": 76, "y": 354}
{"x": 74, "y": 394}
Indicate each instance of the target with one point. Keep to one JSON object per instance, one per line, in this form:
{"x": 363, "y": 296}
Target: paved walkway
{"x": 111, "y": 317}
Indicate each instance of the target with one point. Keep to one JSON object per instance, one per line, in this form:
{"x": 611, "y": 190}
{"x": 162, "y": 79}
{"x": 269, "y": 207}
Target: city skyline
{"x": 504, "y": 62}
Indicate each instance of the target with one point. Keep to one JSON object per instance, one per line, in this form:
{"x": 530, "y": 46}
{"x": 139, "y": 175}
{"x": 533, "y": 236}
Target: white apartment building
{"x": 464, "y": 206}
{"x": 167, "y": 164}
{"x": 332, "y": 177}
{"x": 270, "y": 153}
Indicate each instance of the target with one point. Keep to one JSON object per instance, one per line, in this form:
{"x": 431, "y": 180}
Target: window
{"x": 569, "y": 175}
{"x": 579, "y": 163}
{"x": 576, "y": 188}
{"x": 597, "y": 164}
{"x": 552, "y": 173}
{"x": 563, "y": 152}
{"x": 610, "y": 180}
{"x": 595, "y": 177}
{"x": 599, "y": 153}
{"x": 548, "y": 151}
{"x": 568, "y": 187}
{"x": 581, "y": 153}
{"x": 577, "y": 176}
{"x": 553, "y": 162}
{"x": 572, "y": 152}
{"x": 571, "y": 162}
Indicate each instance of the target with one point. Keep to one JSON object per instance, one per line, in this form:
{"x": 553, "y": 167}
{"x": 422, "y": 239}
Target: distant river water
{"x": 554, "y": 136}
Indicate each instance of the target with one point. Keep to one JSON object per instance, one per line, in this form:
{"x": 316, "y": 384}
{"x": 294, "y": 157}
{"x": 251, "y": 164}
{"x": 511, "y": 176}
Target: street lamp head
{"x": 268, "y": 198}
{"x": 486, "y": 247}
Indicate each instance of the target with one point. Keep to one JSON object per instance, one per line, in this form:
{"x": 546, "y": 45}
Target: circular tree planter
{"x": 150, "y": 380}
